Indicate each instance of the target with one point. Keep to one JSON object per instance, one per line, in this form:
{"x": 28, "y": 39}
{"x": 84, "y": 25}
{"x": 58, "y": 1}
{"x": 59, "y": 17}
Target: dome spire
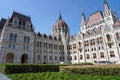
{"x": 60, "y": 16}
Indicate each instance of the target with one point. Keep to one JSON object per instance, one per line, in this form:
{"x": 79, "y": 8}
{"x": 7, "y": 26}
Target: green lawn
{"x": 58, "y": 76}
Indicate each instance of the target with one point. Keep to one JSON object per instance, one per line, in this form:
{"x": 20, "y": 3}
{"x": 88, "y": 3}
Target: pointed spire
{"x": 83, "y": 16}
{"x": 106, "y": 6}
{"x": 115, "y": 15}
{"x": 105, "y": 1}
{"x": 60, "y": 16}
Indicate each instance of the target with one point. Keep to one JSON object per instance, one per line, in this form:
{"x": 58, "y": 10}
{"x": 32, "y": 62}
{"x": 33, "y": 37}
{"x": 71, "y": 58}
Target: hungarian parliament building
{"x": 98, "y": 40}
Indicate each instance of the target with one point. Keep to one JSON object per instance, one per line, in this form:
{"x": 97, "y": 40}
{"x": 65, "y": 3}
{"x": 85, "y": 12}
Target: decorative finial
{"x": 82, "y": 12}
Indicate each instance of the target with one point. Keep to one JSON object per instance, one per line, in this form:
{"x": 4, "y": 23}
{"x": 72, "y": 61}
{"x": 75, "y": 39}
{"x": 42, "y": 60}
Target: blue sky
{"x": 44, "y": 13}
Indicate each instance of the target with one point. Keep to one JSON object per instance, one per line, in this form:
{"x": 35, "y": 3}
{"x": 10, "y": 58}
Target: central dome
{"x": 60, "y": 28}
{"x": 60, "y": 24}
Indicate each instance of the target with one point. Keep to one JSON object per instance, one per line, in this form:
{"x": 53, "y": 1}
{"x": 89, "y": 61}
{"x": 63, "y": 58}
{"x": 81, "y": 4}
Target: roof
{"x": 22, "y": 18}
{"x": 95, "y": 16}
{"x": 117, "y": 23}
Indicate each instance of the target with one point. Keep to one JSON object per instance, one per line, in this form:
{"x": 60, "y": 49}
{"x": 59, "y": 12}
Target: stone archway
{"x": 24, "y": 58}
{"x": 9, "y": 58}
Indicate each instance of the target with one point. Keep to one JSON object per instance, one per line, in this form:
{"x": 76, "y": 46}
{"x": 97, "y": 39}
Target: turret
{"x": 83, "y": 23}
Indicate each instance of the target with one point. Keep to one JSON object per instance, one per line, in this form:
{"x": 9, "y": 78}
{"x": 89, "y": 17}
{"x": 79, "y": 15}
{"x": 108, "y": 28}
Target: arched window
{"x": 102, "y": 55}
{"x": 98, "y": 40}
{"x": 81, "y": 56}
{"x": 75, "y": 57}
{"x": 108, "y": 37}
{"x": 117, "y": 36}
{"x": 94, "y": 55}
{"x": 87, "y": 56}
{"x": 112, "y": 54}
{"x": 79, "y": 44}
{"x": 101, "y": 40}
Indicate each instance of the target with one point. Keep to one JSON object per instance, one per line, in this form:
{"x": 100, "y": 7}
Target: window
{"x": 117, "y": 36}
{"x": 27, "y": 40}
{"x": 50, "y": 57}
{"x": 13, "y": 46}
{"x": 15, "y": 21}
{"x": 75, "y": 57}
{"x": 79, "y": 44}
{"x": 94, "y": 55}
{"x": 87, "y": 56}
{"x": 108, "y": 37}
{"x": 13, "y": 37}
{"x": 81, "y": 56}
{"x": 112, "y": 54}
{"x": 28, "y": 24}
{"x": 44, "y": 57}
{"x": 56, "y": 58}
{"x": 10, "y": 45}
{"x": 38, "y": 57}
{"x": 98, "y": 40}
{"x": 102, "y": 55}
{"x": 101, "y": 40}
{"x": 74, "y": 46}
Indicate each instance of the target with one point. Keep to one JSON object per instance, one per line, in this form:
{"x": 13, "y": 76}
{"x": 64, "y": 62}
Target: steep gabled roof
{"x": 95, "y": 16}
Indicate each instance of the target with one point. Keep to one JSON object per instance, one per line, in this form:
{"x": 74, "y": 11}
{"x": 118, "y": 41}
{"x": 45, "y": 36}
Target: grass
{"x": 59, "y": 76}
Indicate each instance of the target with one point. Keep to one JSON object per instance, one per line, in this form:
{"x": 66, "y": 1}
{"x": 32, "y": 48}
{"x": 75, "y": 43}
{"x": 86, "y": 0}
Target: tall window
{"x": 94, "y": 55}
{"x": 88, "y": 56}
{"x": 13, "y": 37}
{"x": 81, "y": 56}
{"x": 112, "y": 54}
{"x": 102, "y": 55}
{"x": 108, "y": 37}
{"x": 44, "y": 57}
{"x": 26, "y": 39}
{"x": 117, "y": 36}
{"x": 75, "y": 57}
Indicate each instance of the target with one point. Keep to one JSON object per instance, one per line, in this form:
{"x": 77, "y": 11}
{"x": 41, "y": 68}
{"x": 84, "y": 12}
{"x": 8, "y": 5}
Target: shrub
{"x": 29, "y": 68}
{"x": 92, "y": 70}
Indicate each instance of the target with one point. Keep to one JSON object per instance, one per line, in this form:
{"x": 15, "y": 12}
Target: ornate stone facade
{"x": 98, "y": 40}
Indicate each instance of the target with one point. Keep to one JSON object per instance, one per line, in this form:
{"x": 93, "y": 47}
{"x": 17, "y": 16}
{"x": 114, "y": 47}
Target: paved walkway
{"x": 3, "y": 77}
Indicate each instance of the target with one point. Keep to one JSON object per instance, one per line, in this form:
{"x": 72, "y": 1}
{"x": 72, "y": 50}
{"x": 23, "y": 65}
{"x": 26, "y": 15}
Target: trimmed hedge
{"x": 29, "y": 68}
{"x": 102, "y": 70}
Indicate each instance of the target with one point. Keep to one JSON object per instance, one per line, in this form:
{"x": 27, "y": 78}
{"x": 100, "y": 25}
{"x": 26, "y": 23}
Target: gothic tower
{"x": 61, "y": 32}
